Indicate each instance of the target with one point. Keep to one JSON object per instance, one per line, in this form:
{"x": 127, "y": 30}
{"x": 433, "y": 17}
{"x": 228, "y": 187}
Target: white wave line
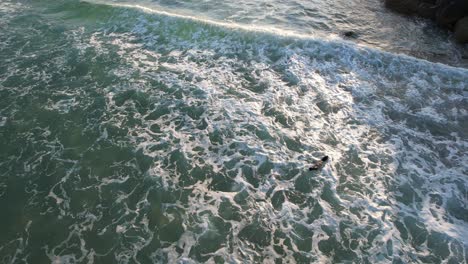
{"x": 229, "y": 25}
{"x": 331, "y": 37}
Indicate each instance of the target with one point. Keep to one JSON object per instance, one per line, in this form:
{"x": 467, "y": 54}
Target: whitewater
{"x": 182, "y": 132}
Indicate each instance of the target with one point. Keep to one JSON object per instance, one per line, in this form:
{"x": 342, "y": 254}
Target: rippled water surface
{"x": 181, "y": 131}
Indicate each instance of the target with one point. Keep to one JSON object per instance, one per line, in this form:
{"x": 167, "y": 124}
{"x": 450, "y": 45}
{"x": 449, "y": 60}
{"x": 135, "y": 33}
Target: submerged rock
{"x": 350, "y": 34}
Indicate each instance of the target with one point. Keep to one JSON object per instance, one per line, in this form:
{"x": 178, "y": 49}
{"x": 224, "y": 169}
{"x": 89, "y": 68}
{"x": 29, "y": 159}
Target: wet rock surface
{"x": 451, "y": 14}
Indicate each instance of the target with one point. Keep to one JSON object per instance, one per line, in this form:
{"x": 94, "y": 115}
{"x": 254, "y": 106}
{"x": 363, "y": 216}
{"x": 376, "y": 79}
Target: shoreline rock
{"x": 461, "y": 30}
{"x": 451, "y": 14}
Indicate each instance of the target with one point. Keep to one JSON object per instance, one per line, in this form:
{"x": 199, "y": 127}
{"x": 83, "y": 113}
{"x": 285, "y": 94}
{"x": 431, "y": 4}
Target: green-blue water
{"x": 181, "y": 132}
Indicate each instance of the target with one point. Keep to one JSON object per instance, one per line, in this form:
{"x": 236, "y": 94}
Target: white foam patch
{"x": 332, "y": 113}
{"x": 3, "y": 121}
{"x": 434, "y": 216}
{"x": 63, "y": 106}
{"x": 8, "y": 7}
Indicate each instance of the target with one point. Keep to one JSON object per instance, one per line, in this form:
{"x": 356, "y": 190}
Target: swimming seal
{"x": 319, "y": 164}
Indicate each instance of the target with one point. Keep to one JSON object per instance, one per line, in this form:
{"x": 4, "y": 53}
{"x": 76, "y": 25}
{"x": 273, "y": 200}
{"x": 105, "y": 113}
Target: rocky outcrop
{"x": 461, "y": 30}
{"x": 451, "y": 14}
{"x": 450, "y": 11}
{"x": 401, "y": 6}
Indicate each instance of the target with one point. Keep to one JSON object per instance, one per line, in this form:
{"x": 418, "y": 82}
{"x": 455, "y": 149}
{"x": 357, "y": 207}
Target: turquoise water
{"x": 167, "y": 132}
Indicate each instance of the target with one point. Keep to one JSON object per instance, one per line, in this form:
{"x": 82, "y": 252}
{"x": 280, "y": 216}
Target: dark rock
{"x": 407, "y": 7}
{"x": 424, "y": 8}
{"x": 450, "y": 11}
{"x": 461, "y": 30}
{"x": 432, "y": 2}
{"x": 350, "y": 34}
{"x": 427, "y": 10}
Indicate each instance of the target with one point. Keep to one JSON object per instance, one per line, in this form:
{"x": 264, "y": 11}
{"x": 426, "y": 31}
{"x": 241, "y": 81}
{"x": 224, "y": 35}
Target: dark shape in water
{"x": 319, "y": 164}
{"x": 350, "y": 34}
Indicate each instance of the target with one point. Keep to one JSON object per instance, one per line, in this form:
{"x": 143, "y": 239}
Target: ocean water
{"x": 182, "y": 131}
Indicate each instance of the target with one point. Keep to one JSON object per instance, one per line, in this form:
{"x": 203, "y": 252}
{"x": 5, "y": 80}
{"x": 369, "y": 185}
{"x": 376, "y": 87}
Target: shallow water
{"x": 182, "y": 132}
